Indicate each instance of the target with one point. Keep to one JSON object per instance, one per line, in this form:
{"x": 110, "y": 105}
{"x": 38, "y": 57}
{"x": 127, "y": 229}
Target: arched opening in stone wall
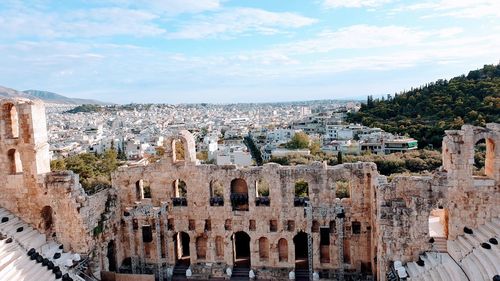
{"x": 438, "y": 223}
{"x": 342, "y": 189}
{"x": 14, "y": 162}
{"x": 139, "y": 190}
{"x": 301, "y": 188}
{"x": 261, "y": 188}
{"x": 479, "y": 158}
{"x": 216, "y": 193}
{"x": 239, "y": 195}
{"x": 241, "y": 249}
{"x": 11, "y": 117}
{"x": 201, "y": 247}
{"x": 47, "y": 220}
{"x": 179, "y": 152}
{"x": 301, "y": 251}
{"x": 147, "y": 239}
{"x": 219, "y": 247}
{"x": 182, "y": 254}
{"x": 142, "y": 190}
{"x": 324, "y": 244}
{"x": 111, "y": 255}
{"x": 263, "y": 249}
{"x": 179, "y": 188}
{"x": 262, "y": 193}
{"x": 301, "y": 193}
{"x": 283, "y": 250}
{"x": 489, "y": 162}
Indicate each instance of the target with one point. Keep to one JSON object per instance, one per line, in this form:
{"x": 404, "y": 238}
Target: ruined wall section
{"x": 54, "y": 203}
{"x": 473, "y": 198}
{"x": 256, "y": 222}
{"x": 403, "y": 213}
{"x": 78, "y": 216}
{"x": 404, "y": 205}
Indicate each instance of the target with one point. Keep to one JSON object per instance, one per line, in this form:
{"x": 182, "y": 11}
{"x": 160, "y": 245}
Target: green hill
{"x": 424, "y": 113}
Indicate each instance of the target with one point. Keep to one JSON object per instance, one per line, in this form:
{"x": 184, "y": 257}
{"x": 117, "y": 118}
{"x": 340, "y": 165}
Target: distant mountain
{"x": 11, "y": 93}
{"x": 56, "y": 98}
{"x": 47, "y": 97}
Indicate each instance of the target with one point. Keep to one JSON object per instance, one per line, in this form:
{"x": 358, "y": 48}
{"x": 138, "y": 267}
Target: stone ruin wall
{"x": 358, "y": 248}
{"x": 404, "y": 205}
{"x": 393, "y": 216}
{"x": 28, "y": 186}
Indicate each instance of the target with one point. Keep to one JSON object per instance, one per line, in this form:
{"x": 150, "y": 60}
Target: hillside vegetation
{"x": 426, "y": 112}
{"x": 86, "y": 108}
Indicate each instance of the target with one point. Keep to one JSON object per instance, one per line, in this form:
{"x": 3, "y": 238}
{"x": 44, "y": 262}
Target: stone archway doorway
{"x": 301, "y": 251}
{"x": 182, "y": 253}
{"x": 47, "y": 221}
{"x": 241, "y": 250}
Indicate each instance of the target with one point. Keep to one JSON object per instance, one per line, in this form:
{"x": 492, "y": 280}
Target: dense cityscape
{"x": 220, "y": 130}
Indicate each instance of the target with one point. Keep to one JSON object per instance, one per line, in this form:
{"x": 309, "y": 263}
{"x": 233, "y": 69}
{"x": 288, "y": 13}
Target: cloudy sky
{"x": 178, "y": 51}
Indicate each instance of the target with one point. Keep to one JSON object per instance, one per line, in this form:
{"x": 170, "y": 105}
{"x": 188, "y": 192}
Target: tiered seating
{"x": 476, "y": 253}
{"x": 26, "y": 255}
{"x": 478, "y": 262}
{"x": 435, "y": 267}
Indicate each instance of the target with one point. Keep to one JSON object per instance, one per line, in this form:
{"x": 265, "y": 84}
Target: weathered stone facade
{"x": 54, "y": 203}
{"x": 210, "y": 218}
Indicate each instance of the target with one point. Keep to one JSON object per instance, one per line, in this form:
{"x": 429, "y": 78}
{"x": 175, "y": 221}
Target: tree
{"x": 315, "y": 148}
{"x": 299, "y": 141}
{"x": 301, "y": 188}
{"x": 121, "y": 153}
{"x": 94, "y": 170}
{"x": 427, "y": 111}
{"x": 179, "y": 151}
{"x": 339, "y": 158}
{"x": 57, "y": 165}
{"x": 202, "y": 155}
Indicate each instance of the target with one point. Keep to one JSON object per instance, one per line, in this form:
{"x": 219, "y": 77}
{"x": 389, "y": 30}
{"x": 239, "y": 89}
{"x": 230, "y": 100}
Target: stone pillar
{"x": 131, "y": 241}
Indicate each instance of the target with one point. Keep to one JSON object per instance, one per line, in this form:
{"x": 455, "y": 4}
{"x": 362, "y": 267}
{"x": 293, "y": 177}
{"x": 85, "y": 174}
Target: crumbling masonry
{"x": 177, "y": 216}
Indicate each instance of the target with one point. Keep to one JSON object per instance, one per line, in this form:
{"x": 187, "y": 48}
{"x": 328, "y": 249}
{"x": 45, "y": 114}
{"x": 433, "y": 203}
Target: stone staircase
{"x": 301, "y": 274}
{"x": 440, "y": 245}
{"x": 240, "y": 273}
{"x": 179, "y": 272}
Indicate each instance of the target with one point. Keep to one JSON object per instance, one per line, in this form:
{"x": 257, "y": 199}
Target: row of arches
{"x": 239, "y": 192}
{"x": 241, "y": 249}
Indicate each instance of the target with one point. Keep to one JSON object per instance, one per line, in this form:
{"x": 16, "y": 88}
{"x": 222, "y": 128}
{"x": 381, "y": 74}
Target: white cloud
{"x": 358, "y": 37}
{"x": 96, "y": 22}
{"x": 110, "y": 22}
{"x": 170, "y": 7}
{"x": 230, "y": 22}
{"x": 331, "y": 4}
{"x": 456, "y": 8}
{"x": 184, "y": 6}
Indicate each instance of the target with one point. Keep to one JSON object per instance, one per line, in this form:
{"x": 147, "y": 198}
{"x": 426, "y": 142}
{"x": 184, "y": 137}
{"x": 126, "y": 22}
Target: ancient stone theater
{"x": 179, "y": 219}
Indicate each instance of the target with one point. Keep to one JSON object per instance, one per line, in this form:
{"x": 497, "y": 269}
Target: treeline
{"x": 94, "y": 169}
{"x": 86, "y": 108}
{"x": 426, "y": 112}
{"x": 416, "y": 161}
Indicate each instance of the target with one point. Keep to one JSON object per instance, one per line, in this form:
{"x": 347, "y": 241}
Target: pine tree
{"x": 339, "y": 158}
